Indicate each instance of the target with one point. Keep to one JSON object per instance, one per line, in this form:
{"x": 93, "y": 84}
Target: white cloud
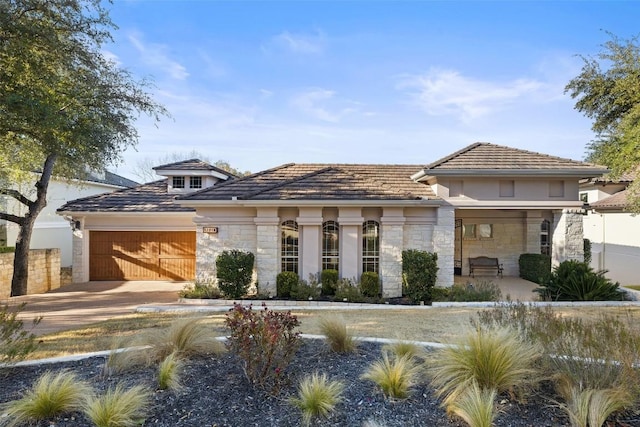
{"x": 446, "y": 92}
{"x": 299, "y": 43}
{"x": 155, "y": 55}
{"x": 322, "y": 104}
{"x": 110, "y": 56}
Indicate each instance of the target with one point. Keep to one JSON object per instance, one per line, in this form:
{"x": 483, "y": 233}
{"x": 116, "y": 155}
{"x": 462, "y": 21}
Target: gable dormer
{"x": 191, "y": 175}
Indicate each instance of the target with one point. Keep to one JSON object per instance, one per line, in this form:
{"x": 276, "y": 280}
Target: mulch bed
{"x": 216, "y": 393}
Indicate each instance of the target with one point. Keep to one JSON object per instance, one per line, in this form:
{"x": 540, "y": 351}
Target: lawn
{"x": 420, "y": 324}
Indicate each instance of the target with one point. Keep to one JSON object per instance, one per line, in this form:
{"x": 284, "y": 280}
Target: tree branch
{"x": 16, "y": 195}
{"x": 12, "y": 218}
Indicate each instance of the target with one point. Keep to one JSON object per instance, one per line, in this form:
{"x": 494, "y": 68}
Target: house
{"x": 485, "y": 199}
{"x": 614, "y": 233}
{"x": 51, "y": 230}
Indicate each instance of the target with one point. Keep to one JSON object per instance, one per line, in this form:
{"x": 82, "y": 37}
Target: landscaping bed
{"x": 216, "y": 393}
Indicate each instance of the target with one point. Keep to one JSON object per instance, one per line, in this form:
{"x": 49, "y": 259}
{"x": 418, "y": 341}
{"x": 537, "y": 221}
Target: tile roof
{"x": 615, "y": 201}
{"x": 487, "y": 156}
{"x": 111, "y": 178}
{"x": 151, "y": 197}
{"x": 193, "y": 164}
{"x": 307, "y": 181}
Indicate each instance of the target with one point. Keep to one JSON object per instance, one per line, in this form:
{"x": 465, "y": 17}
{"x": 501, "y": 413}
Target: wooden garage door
{"x": 142, "y": 255}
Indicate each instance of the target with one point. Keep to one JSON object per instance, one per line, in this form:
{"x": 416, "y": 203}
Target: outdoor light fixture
{"x": 586, "y": 207}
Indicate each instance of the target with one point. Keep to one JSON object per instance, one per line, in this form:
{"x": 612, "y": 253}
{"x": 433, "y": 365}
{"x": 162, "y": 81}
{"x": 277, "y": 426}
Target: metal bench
{"x": 484, "y": 263}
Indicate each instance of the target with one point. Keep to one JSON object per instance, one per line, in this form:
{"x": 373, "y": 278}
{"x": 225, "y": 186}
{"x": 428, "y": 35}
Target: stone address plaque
{"x": 210, "y": 230}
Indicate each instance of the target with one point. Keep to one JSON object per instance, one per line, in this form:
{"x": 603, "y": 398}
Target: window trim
{"x": 199, "y": 182}
{"x": 178, "y": 182}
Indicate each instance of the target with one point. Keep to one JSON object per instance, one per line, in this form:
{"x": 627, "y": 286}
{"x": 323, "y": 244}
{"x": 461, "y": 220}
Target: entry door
{"x": 457, "y": 257}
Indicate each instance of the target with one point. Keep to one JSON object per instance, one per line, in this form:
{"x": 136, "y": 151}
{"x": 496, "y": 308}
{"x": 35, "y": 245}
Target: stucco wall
{"x": 529, "y": 189}
{"x": 621, "y": 253}
{"x": 44, "y": 271}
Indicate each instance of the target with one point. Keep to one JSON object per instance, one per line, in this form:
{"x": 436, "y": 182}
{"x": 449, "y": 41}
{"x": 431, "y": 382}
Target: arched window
{"x": 289, "y": 250}
{"x": 545, "y": 241}
{"x": 370, "y": 246}
{"x": 330, "y": 245}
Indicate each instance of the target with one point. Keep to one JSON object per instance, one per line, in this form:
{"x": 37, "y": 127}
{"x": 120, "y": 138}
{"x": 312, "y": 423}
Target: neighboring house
{"x": 614, "y": 233}
{"x": 485, "y": 199}
{"x": 54, "y": 231}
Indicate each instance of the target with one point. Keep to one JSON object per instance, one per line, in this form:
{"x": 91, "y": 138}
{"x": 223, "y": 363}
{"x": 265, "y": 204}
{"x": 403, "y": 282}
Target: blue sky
{"x": 261, "y": 83}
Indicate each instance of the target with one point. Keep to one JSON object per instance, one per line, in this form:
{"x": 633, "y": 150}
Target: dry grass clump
{"x": 119, "y": 407}
{"x": 495, "y": 359}
{"x": 337, "y": 335}
{"x": 476, "y": 406}
{"x": 317, "y": 396}
{"x": 404, "y": 349}
{"x": 169, "y": 372}
{"x": 185, "y": 338}
{"x": 396, "y": 376}
{"x": 52, "y": 394}
{"x": 591, "y": 407}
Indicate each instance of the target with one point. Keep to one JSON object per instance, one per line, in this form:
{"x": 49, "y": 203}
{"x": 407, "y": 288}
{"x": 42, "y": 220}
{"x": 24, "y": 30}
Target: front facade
{"x": 484, "y": 200}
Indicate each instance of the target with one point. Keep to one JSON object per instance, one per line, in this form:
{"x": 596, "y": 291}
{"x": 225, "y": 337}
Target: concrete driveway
{"x": 84, "y": 303}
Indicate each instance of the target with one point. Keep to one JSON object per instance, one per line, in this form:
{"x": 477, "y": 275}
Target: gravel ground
{"x": 216, "y": 393}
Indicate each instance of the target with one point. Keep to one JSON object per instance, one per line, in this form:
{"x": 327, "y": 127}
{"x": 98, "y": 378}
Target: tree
{"x": 65, "y": 109}
{"x": 608, "y": 92}
{"x": 144, "y": 167}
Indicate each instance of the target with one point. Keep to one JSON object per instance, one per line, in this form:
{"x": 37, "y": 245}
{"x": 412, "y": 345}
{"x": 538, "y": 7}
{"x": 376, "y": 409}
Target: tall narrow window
{"x": 370, "y": 246}
{"x": 330, "y": 245}
{"x": 289, "y": 250}
{"x": 545, "y": 242}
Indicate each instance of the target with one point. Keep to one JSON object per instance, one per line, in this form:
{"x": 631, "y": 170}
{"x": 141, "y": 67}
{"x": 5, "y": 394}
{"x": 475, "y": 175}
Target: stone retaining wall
{"x": 44, "y": 271}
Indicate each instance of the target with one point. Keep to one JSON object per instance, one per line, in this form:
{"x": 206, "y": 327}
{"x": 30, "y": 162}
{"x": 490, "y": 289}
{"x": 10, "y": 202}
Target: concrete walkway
{"x": 84, "y": 303}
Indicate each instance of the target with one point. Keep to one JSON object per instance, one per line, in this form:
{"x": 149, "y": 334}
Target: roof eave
{"x": 581, "y": 173}
{"x": 323, "y": 202}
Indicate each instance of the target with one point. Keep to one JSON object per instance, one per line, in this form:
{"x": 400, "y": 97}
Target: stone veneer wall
{"x": 567, "y": 241}
{"x": 391, "y": 260}
{"x": 507, "y": 244}
{"x": 444, "y": 245}
{"x": 208, "y": 246}
{"x": 44, "y": 271}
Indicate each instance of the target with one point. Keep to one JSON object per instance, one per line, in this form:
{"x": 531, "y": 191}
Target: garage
{"x": 142, "y": 255}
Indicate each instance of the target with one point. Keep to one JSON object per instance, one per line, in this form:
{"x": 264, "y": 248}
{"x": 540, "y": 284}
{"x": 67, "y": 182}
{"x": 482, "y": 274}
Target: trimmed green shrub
{"x": 199, "y": 290}
{"x": 329, "y": 279}
{"x": 306, "y": 290}
{"x": 370, "y": 284}
{"x": 347, "y": 291}
{"x": 575, "y": 281}
{"x": 7, "y": 249}
{"x": 479, "y": 291}
{"x": 286, "y": 284}
{"x": 234, "y": 270}
{"x": 535, "y": 267}
{"x": 419, "y": 273}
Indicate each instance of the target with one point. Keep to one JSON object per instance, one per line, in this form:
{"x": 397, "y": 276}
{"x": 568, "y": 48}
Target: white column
{"x": 310, "y": 220}
{"x": 267, "y": 248}
{"x": 391, "y": 237}
{"x": 443, "y": 245}
{"x": 350, "y": 221}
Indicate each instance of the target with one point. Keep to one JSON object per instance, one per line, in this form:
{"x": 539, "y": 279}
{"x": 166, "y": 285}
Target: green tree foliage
{"x": 608, "y": 91}
{"x": 64, "y": 108}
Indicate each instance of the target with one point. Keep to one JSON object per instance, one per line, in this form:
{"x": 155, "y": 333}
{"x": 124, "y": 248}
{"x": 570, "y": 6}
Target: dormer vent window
{"x": 195, "y": 182}
{"x": 178, "y": 182}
